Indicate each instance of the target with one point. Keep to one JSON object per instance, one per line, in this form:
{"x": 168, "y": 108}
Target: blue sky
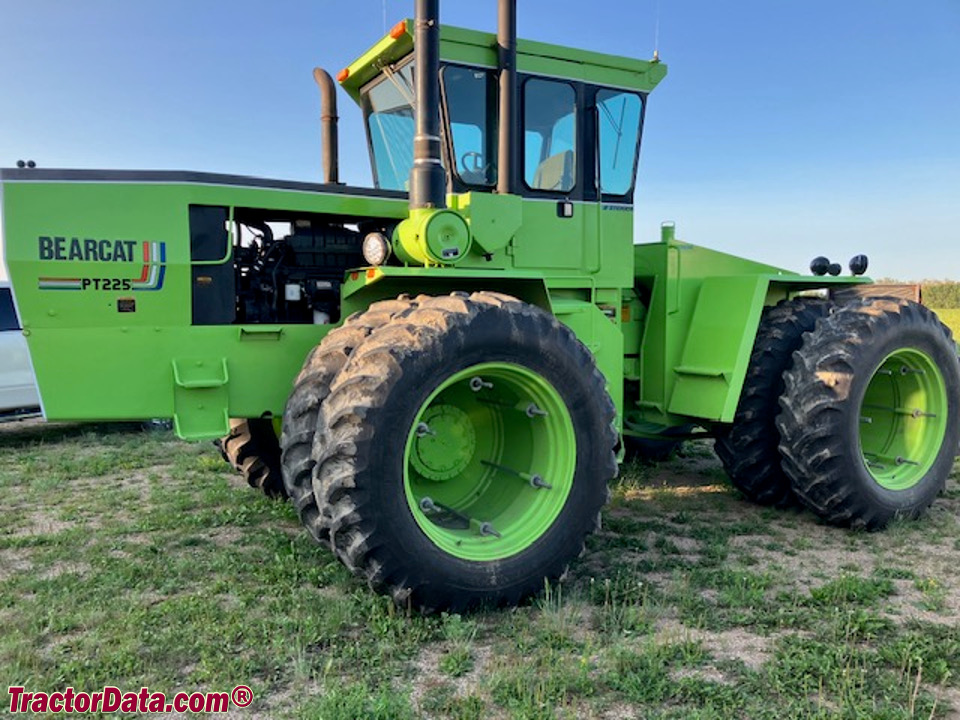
{"x": 783, "y": 130}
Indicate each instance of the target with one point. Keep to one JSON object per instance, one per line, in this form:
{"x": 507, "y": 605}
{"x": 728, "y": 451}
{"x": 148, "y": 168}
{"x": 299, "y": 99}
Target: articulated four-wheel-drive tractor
{"x": 482, "y": 338}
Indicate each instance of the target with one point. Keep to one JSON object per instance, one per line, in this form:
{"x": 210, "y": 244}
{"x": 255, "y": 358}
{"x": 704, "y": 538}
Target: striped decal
{"x": 47, "y": 283}
{"x": 151, "y": 277}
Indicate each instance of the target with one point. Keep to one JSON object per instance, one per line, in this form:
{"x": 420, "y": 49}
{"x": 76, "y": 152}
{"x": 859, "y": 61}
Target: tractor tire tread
{"x": 252, "y": 449}
{"x": 341, "y": 446}
{"x": 749, "y": 449}
{"x": 310, "y": 389}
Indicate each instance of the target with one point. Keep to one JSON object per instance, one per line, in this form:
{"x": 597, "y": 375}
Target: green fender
{"x": 719, "y": 339}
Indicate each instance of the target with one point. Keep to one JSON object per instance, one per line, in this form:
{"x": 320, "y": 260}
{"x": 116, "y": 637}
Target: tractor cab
{"x": 579, "y": 113}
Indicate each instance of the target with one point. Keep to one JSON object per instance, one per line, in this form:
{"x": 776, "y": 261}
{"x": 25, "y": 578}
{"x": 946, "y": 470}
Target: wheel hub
{"x": 903, "y": 419}
{"x": 490, "y": 461}
{"x": 445, "y": 443}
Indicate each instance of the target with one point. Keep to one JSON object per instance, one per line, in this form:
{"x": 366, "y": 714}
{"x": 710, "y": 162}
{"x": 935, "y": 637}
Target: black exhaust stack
{"x": 428, "y": 180}
{"x": 328, "y": 125}
{"x": 509, "y": 119}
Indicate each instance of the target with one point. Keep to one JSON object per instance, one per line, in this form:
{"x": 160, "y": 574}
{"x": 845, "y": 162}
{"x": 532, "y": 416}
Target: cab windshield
{"x": 388, "y": 108}
{"x": 470, "y": 105}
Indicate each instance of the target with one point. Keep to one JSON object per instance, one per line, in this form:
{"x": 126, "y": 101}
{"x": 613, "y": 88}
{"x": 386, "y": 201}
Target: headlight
{"x": 376, "y": 248}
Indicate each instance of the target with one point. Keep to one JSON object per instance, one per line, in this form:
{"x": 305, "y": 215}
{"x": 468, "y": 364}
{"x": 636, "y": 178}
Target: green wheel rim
{"x": 903, "y": 419}
{"x": 489, "y": 461}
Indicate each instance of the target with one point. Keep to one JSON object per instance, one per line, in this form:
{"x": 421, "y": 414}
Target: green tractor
{"x": 483, "y": 340}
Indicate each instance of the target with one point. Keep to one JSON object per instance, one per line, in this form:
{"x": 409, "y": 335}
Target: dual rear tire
{"x": 852, "y": 410}
{"x": 869, "y": 421}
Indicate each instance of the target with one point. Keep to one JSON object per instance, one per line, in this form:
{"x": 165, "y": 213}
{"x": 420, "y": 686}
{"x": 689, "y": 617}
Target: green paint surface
{"x": 903, "y": 419}
{"x": 489, "y": 461}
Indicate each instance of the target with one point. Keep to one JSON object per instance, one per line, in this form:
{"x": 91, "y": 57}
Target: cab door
{"x": 552, "y": 177}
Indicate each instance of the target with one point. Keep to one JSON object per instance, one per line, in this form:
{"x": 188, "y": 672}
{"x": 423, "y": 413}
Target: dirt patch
{"x": 425, "y": 675}
{"x": 139, "y": 481}
{"x": 227, "y": 536}
{"x": 707, "y": 673}
{"x": 57, "y": 643}
{"x": 42, "y": 522}
{"x": 140, "y": 538}
{"x": 737, "y": 644}
{"x": 428, "y": 678}
{"x": 949, "y": 697}
{"x": 685, "y": 544}
{"x": 805, "y": 557}
{"x": 941, "y": 606}
{"x": 64, "y": 568}
{"x": 811, "y": 555}
{"x": 13, "y": 562}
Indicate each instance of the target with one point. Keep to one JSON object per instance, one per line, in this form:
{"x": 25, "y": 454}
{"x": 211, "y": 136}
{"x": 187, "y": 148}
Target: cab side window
{"x": 549, "y": 135}
{"x": 471, "y": 103}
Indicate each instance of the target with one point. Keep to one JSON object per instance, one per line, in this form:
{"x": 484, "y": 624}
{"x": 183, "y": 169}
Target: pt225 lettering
{"x": 105, "y": 284}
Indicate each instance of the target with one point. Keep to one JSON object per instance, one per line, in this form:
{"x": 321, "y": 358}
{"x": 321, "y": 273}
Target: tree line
{"x": 941, "y": 294}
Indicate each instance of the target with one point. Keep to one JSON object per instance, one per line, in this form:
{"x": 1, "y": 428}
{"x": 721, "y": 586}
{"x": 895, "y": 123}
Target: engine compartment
{"x": 283, "y": 267}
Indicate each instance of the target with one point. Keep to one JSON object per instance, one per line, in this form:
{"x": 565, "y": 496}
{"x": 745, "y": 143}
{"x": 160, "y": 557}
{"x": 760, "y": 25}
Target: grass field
{"x": 952, "y": 318}
{"x": 134, "y": 559}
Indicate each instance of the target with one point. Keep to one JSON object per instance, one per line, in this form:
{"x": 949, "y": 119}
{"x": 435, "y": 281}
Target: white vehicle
{"x": 18, "y": 386}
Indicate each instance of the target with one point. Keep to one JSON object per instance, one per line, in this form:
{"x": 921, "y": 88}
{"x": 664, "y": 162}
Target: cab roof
{"x": 479, "y": 49}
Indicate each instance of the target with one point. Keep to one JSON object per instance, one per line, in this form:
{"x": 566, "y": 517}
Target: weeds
{"x": 136, "y": 560}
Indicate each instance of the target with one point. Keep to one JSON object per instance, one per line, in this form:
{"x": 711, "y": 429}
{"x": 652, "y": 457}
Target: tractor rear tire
{"x": 463, "y": 453}
{"x": 870, "y": 419}
{"x": 252, "y": 449}
{"x": 310, "y": 389}
{"x": 749, "y": 449}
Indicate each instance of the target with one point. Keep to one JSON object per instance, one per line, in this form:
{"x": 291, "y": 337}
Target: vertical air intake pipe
{"x": 328, "y": 126}
{"x": 428, "y": 180}
{"x": 509, "y": 119}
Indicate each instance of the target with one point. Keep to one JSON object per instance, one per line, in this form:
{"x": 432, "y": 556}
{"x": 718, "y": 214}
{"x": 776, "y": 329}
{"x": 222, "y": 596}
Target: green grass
{"x": 133, "y": 559}
{"x": 951, "y": 318}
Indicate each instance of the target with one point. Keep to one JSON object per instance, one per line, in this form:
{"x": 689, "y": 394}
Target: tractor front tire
{"x": 870, "y": 420}
{"x": 463, "y": 453}
{"x": 252, "y": 449}
{"x": 749, "y": 449}
{"x": 310, "y": 389}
